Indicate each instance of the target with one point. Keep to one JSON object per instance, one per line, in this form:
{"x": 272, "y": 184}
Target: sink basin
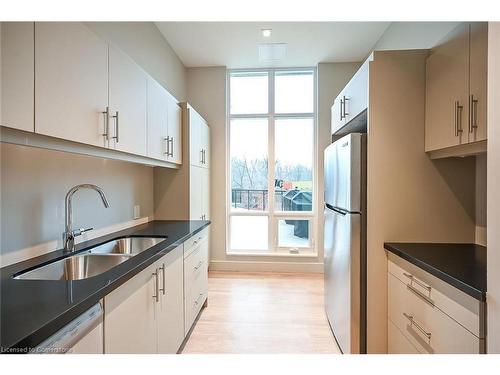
{"x": 76, "y": 267}
{"x": 127, "y": 245}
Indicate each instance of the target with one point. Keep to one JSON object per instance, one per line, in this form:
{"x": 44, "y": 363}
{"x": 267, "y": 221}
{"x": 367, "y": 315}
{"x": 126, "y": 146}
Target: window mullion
{"x": 271, "y": 163}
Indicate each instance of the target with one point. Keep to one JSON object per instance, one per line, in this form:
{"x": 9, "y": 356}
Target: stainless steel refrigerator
{"x": 345, "y": 241}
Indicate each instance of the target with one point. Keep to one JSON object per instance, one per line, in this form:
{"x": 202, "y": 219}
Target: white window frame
{"x": 273, "y": 216}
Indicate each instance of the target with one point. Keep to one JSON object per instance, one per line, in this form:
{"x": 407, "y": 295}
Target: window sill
{"x": 280, "y": 254}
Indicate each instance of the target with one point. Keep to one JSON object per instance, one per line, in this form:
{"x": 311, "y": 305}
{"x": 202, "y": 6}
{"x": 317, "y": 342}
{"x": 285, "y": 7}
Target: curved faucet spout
{"x": 70, "y": 234}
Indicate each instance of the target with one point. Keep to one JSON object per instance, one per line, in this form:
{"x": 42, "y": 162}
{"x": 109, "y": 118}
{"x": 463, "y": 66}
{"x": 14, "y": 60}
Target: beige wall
{"x": 493, "y": 298}
{"x": 145, "y": 44}
{"x": 206, "y": 91}
{"x": 35, "y": 182}
{"x": 410, "y": 197}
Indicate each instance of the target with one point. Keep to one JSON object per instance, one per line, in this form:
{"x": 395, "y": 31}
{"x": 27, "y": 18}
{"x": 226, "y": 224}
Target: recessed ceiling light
{"x": 266, "y": 33}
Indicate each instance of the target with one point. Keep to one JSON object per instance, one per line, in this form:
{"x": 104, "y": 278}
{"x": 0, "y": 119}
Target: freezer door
{"x": 342, "y": 278}
{"x": 343, "y": 165}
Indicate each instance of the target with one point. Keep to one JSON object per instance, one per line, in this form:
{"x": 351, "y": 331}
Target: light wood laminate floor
{"x": 263, "y": 313}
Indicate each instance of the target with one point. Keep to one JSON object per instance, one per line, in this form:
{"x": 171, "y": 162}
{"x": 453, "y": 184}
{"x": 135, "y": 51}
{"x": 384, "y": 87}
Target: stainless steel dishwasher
{"x": 83, "y": 335}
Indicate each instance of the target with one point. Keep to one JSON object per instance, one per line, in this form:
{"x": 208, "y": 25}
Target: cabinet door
{"x": 17, "y": 75}
{"x": 205, "y": 143}
{"x": 130, "y": 324}
{"x": 195, "y": 192}
{"x": 127, "y": 103}
{"x": 171, "y": 308}
{"x": 195, "y": 123}
{"x": 205, "y": 193}
{"x": 157, "y": 120}
{"x": 91, "y": 343}
{"x": 355, "y": 93}
{"x": 337, "y": 119}
{"x": 447, "y": 83}
{"x": 71, "y": 82}
{"x": 175, "y": 130}
{"x": 478, "y": 80}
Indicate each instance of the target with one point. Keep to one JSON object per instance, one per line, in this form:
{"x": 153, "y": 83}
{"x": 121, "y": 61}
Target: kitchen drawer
{"x": 195, "y": 282}
{"x": 397, "y": 343}
{"x": 190, "y": 244}
{"x": 428, "y": 328}
{"x": 453, "y": 302}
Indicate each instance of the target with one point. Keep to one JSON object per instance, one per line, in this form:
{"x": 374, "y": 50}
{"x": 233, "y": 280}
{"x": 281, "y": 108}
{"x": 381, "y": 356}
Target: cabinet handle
{"x": 157, "y": 286}
{"x": 458, "y": 118}
{"x": 106, "y": 123}
{"x": 341, "y": 104}
{"x": 201, "y": 156}
{"x": 198, "y": 299}
{"x": 163, "y": 289}
{"x": 117, "y": 127}
{"x": 419, "y": 327}
{"x": 200, "y": 263}
{"x": 417, "y": 292}
{"x": 472, "y": 114}
{"x": 167, "y": 146}
{"x": 345, "y": 102}
{"x": 172, "y": 148}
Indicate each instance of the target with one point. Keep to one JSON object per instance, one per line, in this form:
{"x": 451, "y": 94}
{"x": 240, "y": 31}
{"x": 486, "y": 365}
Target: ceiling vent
{"x": 269, "y": 52}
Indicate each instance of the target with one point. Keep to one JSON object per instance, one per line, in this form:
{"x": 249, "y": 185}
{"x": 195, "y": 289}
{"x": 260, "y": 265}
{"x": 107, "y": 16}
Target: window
{"x": 272, "y": 135}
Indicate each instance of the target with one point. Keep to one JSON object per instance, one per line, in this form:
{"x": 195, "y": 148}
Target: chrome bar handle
{"x": 412, "y": 278}
{"x": 106, "y": 124}
{"x": 458, "y": 118}
{"x": 419, "y": 327}
{"x": 341, "y": 104}
{"x": 200, "y": 263}
{"x": 117, "y": 126}
{"x": 198, "y": 298}
{"x": 157, "y": 286}
{"x": 345, "y": 101}
{"x": 172, "y": 148}
{"x": 164, "y": 282}
{"x": 201, "y": 156}
{"x": 418, "y": 293}
{"x": 167, "y": 152}
{"x": 472, "y": 114}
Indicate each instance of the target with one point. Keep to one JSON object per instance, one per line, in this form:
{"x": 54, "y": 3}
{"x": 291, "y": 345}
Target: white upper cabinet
{"x": 71, "y": 82}
{"x": 164, "y": 124}
{"x": 199, "y": 139}
{"x": 352, "y": 100}
{"x": 174, "y": 130}
{"x": 157, "y": 118}
{"x": 456, "y": 75}
{"x": 17, "y": 75}
{"x": 127, "y": 103}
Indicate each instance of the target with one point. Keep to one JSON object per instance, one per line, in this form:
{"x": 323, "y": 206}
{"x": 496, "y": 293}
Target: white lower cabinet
{"x": 145, "y": 315}
{"x": 421, "y": 318}
{"x": 153, "y": 311}
{"x": 195, "y": 277}
{"x": 130, "y": 312}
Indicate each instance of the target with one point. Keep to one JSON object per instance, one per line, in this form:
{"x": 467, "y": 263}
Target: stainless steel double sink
{"x": 92, "y": 262}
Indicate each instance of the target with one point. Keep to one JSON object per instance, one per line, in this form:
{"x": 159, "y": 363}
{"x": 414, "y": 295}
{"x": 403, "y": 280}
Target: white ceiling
{"x": 234, "y": 44}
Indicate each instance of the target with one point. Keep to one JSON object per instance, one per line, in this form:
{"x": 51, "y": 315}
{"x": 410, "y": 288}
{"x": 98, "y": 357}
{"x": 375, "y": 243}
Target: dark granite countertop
{"x": 32, "y": 310}
{"x": 461, "y": 265}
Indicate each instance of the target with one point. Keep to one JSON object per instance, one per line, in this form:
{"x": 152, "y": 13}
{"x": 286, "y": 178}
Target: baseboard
{"x": 256, "y": 266}
{"x": 46, "y": 247}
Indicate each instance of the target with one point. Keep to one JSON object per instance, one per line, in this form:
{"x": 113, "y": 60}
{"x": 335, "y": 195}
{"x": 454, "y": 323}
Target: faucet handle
{"x": 79, "y": 232}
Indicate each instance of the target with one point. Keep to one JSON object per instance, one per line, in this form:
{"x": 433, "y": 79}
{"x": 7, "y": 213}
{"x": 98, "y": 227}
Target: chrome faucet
{"x": 70, "y": 234}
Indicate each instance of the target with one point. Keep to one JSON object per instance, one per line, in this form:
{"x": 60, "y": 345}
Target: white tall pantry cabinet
{"x": 199, "y": 167}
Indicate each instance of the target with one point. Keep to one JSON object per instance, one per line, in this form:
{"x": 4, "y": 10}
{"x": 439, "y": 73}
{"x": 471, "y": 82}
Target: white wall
{"x": 413, "y": 35}
{"x": 493, "y": 208}
{"x": 206, "y": 91}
